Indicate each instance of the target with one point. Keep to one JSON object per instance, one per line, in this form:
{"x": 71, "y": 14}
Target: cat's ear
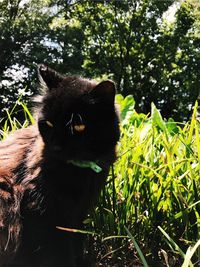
{"x": 104, "y": 92}
{"x": 49, "y": 76}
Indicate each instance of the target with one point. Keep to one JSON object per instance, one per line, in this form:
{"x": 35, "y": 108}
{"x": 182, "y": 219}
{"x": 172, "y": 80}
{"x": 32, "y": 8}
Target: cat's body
{"x": 40, "y": 187}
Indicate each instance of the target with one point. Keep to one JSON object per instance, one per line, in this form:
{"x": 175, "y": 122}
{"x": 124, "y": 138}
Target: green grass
{"x": 155, "y": 183}
{"x": 149, "y": 211}
{"x": 11, "y": 123}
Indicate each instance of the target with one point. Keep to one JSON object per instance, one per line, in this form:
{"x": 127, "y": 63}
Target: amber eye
{"x": 49, "y": 124}
{"x": 79, "y": 128}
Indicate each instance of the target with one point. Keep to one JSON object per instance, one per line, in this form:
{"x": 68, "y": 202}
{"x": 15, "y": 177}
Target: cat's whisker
{"x": 71, "y": 119}
{"x": 69, "y": 123}
{"x": 81, "y": 120}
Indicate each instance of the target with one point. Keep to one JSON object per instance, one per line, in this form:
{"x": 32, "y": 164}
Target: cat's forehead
{"x": 71, "y": 91}
{"x": 72, "y": 95}
{"x": 76, "y": 86}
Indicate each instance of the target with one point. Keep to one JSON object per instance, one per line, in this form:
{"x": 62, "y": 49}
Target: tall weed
{"x": 154, "y": 183}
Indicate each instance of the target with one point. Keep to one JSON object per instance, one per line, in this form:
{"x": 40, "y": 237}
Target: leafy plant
{"x": 154, "y": 183}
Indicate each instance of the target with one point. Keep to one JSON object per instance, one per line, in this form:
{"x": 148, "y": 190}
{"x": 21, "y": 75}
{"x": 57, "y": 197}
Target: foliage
{"x": 155, "y": 183}
{"x": 11, "y": 123}
{"x": 132, "y": 42}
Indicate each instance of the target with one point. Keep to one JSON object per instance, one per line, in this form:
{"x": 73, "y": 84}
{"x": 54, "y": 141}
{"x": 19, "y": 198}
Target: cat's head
{"x": 78, "y": 119}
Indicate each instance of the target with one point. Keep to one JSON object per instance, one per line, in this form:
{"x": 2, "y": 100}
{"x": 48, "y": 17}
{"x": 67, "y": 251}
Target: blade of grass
{"x": 78, "y": 231}
{"x": 114, "y": 236}
{"x": 189, "y": 254}
{"x": 26, "y": 111}
{"x": 144, "y": 262}
{"x": 173, "y": 245}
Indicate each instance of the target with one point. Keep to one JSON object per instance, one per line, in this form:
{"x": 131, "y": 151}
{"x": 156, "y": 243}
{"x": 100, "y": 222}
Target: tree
{"x": 29, "y": 36}
{"x": 148, "y": 57}
{"x": 22, "y": 27}
{"x": 129, "y": 41}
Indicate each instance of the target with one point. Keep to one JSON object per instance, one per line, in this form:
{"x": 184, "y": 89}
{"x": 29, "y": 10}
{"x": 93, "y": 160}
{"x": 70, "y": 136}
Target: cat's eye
{"x": 49, "y": 124}
{"x": 79, "y": 128}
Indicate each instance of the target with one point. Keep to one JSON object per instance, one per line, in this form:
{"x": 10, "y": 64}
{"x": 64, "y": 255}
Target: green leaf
{"x": 173, "y": 245}
{"x": 126, "y": 105}
{"x": 157, "y": 118}
{"x": 144, "y": 262}
{"x": 190, "y": 252}
{"x": 86, "y": 164}
{"x": 172, "y": 126}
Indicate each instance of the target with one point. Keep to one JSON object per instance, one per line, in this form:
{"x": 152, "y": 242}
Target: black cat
{"x": 52, "y": 172}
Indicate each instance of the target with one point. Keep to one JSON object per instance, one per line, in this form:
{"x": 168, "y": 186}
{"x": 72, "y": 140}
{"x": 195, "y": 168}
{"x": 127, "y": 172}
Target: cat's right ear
{"x": 104, "y": 92}
{"x": 49, "y": 77}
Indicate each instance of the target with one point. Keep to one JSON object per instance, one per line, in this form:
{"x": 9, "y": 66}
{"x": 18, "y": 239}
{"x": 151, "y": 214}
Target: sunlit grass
{"x": 155, "y": 183}
{"x": 11, "y": 123}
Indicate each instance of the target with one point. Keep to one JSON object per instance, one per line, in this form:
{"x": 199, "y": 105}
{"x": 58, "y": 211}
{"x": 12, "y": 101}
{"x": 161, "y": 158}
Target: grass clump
{"x": 11, "y": 123}
{"x": 154, "y": 183}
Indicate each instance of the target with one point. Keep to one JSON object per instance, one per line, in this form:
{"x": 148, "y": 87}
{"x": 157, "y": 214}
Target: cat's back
{"x": 14, "y": 148}
{"x": 14, "y": 151}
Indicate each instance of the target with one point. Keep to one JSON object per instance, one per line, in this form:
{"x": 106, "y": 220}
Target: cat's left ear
{"x": 104, "y": 92}
{"x": 49, "y": 76}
